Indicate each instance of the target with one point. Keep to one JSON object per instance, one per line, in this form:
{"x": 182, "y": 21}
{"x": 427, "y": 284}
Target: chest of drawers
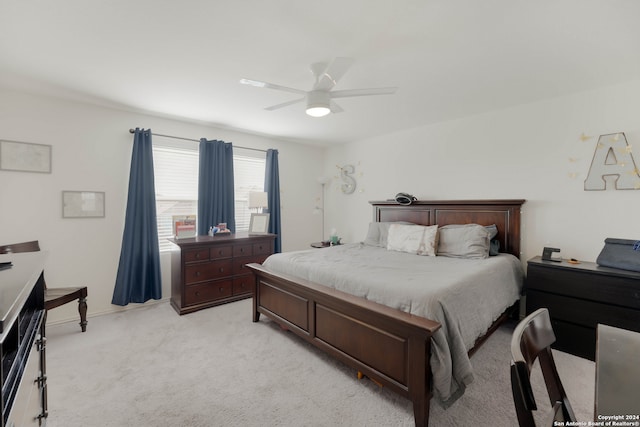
{"x": 208, "y": 271}
{"x": 579, "y": 296}
{"x": 23, "y": 379}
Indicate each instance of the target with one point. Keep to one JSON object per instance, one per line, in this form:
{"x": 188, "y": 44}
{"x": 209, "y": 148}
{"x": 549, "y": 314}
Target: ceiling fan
{"x": 320, "y": 98}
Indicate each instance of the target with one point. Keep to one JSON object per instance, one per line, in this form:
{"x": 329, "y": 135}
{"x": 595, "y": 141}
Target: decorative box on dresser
{"x": 22, "y": 341}
{"x": 210, "y": 270}
{"x": 579, "y": 296}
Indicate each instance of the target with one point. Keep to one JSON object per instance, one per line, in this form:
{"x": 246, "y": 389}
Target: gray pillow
{"x": 464, "y": 241}
{"x": 378, "y": 233}
{"x": 494, "y": 243}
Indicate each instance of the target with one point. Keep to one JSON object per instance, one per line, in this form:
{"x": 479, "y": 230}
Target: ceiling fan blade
{"x": 335, "y": 108}
{"x": 363, "y": 92}
{"x": 258, "y": 83}
{"x": 284, "y": 104}
{"x": 327, "y": 78}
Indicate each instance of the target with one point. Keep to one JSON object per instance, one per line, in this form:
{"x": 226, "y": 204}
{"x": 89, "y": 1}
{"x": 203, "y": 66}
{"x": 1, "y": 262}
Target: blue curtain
{"x": 216, "y": 201}
{"x": 138, "y": 279}
{"x": 272, "y": 187}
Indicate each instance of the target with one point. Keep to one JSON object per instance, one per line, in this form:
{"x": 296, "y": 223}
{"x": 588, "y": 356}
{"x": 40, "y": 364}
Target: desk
{"x": 617, "y": 372}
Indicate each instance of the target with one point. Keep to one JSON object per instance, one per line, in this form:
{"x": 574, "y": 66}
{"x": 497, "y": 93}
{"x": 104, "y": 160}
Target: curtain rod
{"x": 197, "y": 140}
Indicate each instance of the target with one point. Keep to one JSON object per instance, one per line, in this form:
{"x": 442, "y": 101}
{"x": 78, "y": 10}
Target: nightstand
{"x": 579, "y": 296}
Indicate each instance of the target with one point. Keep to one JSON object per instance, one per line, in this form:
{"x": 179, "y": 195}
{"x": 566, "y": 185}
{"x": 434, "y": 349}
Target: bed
{"x": 393, "y": 343}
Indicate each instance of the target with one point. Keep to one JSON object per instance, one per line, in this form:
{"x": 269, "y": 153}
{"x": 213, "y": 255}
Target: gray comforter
{"x": 465, "y": 295}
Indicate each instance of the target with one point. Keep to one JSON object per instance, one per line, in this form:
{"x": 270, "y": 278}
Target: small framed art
{"x": 25, "y": 157}
{"x": 83, "y": 204}
{"x": 259, "y": 223}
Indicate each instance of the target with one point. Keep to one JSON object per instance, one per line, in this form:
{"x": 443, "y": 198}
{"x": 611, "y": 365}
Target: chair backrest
{"x": 31, "y": 246}
{"x": 532, "y": 340}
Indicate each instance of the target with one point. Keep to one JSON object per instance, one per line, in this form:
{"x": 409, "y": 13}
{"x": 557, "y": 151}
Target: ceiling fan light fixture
{"x": 318, "y": 111}
{"x": 319, "y": 99}
{"x": 318, "y": 103}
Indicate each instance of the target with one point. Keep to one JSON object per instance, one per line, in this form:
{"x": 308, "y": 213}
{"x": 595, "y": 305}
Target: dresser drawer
{"x": 242, "y": 250}
{"x": 263, "y": 248}
{"x": 243, "y": 285}
{"x": 219, "y": 252}
{"x": 195, "y": 255}
{"x": 585, "y": 284}
{"x": 208, "y": 291}
{"x": 583, "y": 312}
{"x": 28, "y": 402}
{"x": 574, "y": 339}
{"x": 239, "y": 264}
{"x": 195, "y": 273}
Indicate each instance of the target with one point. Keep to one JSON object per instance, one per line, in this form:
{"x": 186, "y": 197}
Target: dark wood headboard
{"x": 505, "y": 214}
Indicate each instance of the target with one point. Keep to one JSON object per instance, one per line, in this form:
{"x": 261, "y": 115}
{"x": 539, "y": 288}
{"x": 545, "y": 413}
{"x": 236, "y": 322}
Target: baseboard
{"x": 117, "y": 309}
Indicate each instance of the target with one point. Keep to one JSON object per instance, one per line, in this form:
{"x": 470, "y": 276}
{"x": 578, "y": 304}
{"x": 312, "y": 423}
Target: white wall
{"x": 92, "y": 151}
{"x": 522, "y": 153}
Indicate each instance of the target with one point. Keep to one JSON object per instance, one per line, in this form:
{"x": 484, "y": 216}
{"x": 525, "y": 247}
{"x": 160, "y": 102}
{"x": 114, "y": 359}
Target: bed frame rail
{"x": 389, "y": 346}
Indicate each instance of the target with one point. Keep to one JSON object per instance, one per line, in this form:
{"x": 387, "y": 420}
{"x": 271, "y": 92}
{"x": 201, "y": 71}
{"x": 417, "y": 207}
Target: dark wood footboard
{"x": 387, "y": 345}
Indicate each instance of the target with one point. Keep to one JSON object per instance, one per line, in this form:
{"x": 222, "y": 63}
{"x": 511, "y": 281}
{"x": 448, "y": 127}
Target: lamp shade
{"x": 258, "y": 199}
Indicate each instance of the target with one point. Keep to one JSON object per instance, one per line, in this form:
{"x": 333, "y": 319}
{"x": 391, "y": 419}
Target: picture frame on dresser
{"x": 259, "y": 223}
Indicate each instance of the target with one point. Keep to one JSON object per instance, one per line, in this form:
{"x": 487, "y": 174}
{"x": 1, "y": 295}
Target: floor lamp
{"x": 319, "y": 210}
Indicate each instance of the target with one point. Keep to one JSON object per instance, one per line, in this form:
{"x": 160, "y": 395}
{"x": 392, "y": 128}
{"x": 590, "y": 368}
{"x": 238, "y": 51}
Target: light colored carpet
{"x": 151, "y": 367}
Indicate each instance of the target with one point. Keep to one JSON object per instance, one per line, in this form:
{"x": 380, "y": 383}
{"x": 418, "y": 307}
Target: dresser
{"x": 22, "y": 343}
{"x": 579, "y": 296}
{"x": 210, "y": 270}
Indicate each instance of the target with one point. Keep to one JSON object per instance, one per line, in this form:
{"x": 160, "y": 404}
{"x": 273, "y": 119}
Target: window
{"x": 176, "y": 181}
{"x": 248, "y": 176}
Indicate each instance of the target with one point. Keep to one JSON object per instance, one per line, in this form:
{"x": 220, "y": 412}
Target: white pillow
{"x": 378, "y": 233}
{"x": 414, "y": 239}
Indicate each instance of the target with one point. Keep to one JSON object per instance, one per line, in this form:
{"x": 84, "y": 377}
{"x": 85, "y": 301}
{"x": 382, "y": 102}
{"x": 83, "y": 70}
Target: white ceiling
{"x": 184, "y": 59}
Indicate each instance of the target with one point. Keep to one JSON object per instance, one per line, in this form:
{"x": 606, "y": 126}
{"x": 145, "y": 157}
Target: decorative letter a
{"x": 613, "y": 157}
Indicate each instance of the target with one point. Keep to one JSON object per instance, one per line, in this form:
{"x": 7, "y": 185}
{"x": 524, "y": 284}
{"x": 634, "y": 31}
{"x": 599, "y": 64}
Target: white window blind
{"x": 176, "y": 182}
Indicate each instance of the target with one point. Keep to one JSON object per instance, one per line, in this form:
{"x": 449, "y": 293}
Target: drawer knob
{"x": 197, "y": 293}
{"x": 198, "y": 255}
{"x": 221, "y": 270}
{"x": 197, "y": 274}
{"x": 221, "y": 289}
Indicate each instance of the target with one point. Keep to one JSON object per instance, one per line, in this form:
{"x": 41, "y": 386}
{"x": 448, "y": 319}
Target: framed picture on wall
{"x": 25, "y": 157}
{"x": 259, "y": 223}
{"x": 83, "y": 204}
